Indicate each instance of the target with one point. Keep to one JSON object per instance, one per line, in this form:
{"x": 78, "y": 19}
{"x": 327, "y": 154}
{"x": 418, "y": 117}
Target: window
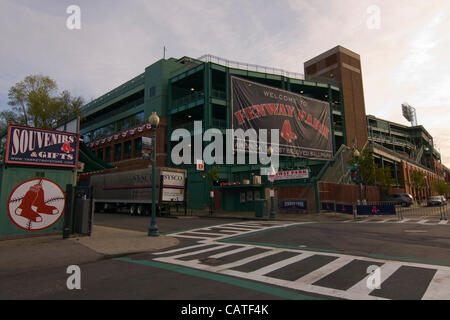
{"x": 152, "y": 91}
{"x": 100, "y": 153}
{"x": 137, "y": 147}
{"x": 127, "y": 149}
{"x": 108, "y": 154}
{"x": 117, "y": 152}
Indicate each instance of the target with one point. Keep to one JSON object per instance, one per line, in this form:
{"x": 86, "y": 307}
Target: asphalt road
{"x": 231, "y": 259}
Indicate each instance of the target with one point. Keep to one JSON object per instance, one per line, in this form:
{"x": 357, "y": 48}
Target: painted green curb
{"x": 224, "y": 279}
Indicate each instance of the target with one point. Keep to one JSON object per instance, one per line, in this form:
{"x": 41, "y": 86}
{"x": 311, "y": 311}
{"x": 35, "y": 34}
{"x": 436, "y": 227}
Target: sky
{"x": 404, "y": 45}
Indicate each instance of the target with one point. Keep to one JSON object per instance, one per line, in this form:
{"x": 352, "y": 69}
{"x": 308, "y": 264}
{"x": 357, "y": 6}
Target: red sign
{"x": 41, "y": 147}
{"x": 293, "y": 174}
{"x": 200, "y": 165}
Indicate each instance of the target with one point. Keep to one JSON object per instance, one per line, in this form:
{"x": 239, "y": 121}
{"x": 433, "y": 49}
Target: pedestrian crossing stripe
{"x": 435, "y": 286}
{"x": 427, "y": 222}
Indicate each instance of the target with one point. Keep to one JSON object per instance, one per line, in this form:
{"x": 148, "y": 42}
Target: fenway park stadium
{"x": 320, "y": 115}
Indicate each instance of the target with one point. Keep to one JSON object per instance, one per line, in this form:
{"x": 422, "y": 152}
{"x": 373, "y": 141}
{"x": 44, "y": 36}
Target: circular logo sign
{"x": 36, "y": 204}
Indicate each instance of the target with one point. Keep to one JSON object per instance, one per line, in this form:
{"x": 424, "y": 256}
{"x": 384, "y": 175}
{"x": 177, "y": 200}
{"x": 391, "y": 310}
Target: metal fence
{"x": 386, "y": 208}
{"x": 250, "y": 66}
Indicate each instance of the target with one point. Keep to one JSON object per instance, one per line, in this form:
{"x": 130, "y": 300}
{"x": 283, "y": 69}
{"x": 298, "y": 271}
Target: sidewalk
{"x": 28, "y": 254}
{"x": 248, "y": 215}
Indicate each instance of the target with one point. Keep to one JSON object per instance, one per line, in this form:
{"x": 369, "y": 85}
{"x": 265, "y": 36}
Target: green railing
{"x": 188, "y": 99}
{"x": 218, "y": 94}
{"x": 115, "y": 111}
{"x": 219, "y": 124}
{"x": 127, "y": 86}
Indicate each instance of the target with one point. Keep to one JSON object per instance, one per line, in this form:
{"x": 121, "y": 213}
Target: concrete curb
{"x": 109, "y": 241}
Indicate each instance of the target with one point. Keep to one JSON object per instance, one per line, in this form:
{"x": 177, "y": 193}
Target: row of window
{"x": 120, "y": 151}
{"x": 115, "y": 127}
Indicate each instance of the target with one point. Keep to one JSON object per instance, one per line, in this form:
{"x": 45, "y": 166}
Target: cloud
{"x": 406, "y": 59}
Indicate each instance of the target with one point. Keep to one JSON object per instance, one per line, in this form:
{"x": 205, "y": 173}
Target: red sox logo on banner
{"x": 36, "y": 204}
{"x": 304, "y": 123}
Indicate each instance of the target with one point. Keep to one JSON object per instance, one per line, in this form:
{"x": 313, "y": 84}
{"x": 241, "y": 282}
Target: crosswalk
{"x": 329, "y": 274}
{"x": 405, "y": 220}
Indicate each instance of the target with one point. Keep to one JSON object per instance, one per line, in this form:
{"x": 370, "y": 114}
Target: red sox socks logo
{"x": 36, "y": 204}
{"x": 66, "y": 147}
{"x": 286, "y": 132}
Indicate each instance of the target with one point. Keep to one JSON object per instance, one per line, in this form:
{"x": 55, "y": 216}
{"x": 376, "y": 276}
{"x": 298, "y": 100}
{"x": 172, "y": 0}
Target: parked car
{"x": 403, "y": 199}
{"x": 435, "y": 201}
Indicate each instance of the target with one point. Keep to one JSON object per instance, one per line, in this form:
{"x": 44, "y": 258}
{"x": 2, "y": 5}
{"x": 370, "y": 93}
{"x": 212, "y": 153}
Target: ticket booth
{"x": 36, "y": 165}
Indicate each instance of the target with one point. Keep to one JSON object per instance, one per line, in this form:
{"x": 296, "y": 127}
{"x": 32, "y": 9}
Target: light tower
{"x": 409, "y": 113}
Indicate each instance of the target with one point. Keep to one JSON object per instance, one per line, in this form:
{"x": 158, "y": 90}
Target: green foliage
{"x": 36, "y": 102}
{"x": 441, "y": 187}
{"x": 367, "y": 167}
{"x": 384, "y": 179}
{"x": 418, "y": 180}
{"x": 212, "y": 175}
{"x": 371, "y": 173}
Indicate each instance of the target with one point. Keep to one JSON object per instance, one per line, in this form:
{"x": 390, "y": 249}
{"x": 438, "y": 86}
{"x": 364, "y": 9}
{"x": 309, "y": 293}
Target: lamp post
{"x": 357, "y": 154}
{"x": 154, "y": 121}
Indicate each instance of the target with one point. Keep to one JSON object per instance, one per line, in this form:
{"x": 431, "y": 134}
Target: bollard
{"x": 68, "y": 212}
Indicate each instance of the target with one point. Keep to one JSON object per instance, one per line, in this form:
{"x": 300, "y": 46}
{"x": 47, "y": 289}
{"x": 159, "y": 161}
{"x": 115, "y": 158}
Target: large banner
{"x": 304, "y": 123}
{"x": 34, "y": 146}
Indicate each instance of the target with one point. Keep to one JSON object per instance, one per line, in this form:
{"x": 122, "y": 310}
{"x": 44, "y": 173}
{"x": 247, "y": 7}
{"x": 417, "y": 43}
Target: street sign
{"x": 200, "y": 165}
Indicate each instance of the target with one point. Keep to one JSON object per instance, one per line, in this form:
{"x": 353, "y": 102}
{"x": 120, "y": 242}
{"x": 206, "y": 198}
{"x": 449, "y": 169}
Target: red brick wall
{"x": 347, "y": 192}
{"x": 299, "y": 192}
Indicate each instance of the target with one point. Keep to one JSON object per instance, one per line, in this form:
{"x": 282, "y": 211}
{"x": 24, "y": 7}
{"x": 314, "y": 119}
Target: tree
{"x": 384, "y": 179}
{"x": 418, "y": 181}
{"x": 371, "y": 174}
{"x": 366, "y": 165}
{"x": 441, "y": 187}
{"x": 35, "y": 101}
{"x": 212, "y": 176}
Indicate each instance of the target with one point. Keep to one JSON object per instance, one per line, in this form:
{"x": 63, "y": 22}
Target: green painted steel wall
{"x": 10, "y": 177}
{"x": 157, "y": 76}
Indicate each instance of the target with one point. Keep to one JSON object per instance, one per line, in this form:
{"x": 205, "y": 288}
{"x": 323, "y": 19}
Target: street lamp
{"x": 357, "y": 154}
{"x": 154, "y": 121}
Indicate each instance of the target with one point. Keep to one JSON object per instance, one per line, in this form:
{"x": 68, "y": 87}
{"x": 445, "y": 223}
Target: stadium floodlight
{"x": 409, "y": 113}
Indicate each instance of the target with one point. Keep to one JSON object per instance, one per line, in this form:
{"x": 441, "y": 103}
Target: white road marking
{"x": 362, "y": 221}
{"x": 386, "y": 270}
{"x": 206, "y": 233}
{"x": 246, "y": 260}
{"x": 443, "y": 222}
{"x": 227, "y": 253}
{"x": 219, "y": 246}
{"x": 321, "y": 272}
{"x": 182, "y": 249}
{"x": 281, "y": 264}
{"x": 423, "y": 221}
{"x": 438, "y": 289}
